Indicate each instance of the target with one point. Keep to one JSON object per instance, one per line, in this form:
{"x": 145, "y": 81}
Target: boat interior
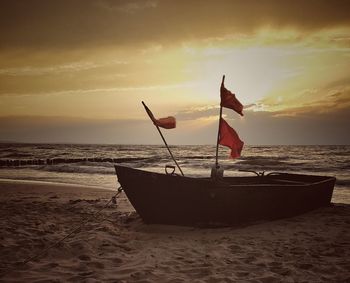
{"x": 275, "y": 178}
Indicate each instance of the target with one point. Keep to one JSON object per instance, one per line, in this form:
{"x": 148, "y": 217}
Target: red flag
{"x": 229, "y": 138}
{"x": 229, "y": 100}
{"x": 166, "y": 123}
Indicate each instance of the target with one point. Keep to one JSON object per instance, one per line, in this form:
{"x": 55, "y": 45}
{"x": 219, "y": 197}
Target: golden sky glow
{"x": 98, "y": 59}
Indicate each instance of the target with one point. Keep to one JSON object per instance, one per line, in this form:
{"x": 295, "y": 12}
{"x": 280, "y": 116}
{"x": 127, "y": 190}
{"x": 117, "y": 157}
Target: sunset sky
{"x": 77, "y": 71}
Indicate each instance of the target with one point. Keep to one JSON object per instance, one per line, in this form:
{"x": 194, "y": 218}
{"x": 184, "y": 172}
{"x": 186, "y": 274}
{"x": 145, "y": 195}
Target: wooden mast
{"x": 218, "y": 137}
{"x": 159, "y": 131}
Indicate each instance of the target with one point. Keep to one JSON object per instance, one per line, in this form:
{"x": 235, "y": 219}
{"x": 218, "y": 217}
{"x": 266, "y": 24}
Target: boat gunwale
{"x": 228, "y": 185}
{"x": 283, "y": 185}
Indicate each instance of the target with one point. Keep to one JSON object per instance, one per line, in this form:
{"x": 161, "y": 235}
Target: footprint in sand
{"x": 85, "y": 274}
{"x": 235, "y": 248}
{"x": 305, "y": 266}
{"x": 117, "y": 260}
{"x": 96, "y": 264}
{"x": 84, "y": 258}
{"x": 268, "y": 279}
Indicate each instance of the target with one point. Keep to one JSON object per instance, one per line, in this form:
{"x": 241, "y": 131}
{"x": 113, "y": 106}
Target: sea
{"x": 93, "y": 164}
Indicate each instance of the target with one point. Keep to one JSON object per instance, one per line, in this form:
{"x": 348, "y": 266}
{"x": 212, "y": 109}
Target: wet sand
{"x": 116, "y": 246}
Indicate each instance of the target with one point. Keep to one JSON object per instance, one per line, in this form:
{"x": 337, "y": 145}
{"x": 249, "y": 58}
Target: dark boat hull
{"x": 177, "y": 200}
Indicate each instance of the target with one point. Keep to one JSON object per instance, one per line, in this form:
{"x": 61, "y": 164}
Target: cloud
{"x": 86, "y": 91}
{"x": 70, "y": 24}
{"x": 334, "y": 97}
{"x": 256, "y": 128}
{"x": 71, "y": 130}
{"x": 128, "y": 7}
{"x": 201, "y": 112}
{"x": 311, "y": 128}
{"x": 56, "y": 69}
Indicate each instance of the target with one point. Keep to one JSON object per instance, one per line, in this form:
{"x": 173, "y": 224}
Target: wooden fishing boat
{"x": 174, "y": 199}
{"x": 179, "y": 200}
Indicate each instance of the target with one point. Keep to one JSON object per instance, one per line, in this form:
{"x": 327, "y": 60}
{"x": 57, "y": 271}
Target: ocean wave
{"x": 88, "y": 169}
{"x": 15, "y": 155}
{"x": 15, "y": 161}
{"x": 340, "y": 182}
{"x": 263, "y": 161}
{"x": 345, "y": 165}
{"x": 199, "y": 157}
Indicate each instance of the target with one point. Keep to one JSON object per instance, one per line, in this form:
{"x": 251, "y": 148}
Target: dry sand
{"x": 117, "y": 247}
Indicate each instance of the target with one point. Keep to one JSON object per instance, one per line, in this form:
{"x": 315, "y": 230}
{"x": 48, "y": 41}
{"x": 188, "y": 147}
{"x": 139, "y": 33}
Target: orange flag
{"x": 229, "y": 138}
{"x": 229, "y": 100}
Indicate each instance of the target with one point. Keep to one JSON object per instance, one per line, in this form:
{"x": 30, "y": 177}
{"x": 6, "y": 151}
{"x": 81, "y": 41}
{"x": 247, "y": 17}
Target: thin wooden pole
{"x": 217, "y": 141}
{"x": 159, "y": 131}
{"x": 220, "y": 115}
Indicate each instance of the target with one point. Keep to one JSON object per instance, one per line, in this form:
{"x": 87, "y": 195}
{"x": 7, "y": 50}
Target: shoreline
{"x": 116, "y": 246}
{"x": 5, "y": 181}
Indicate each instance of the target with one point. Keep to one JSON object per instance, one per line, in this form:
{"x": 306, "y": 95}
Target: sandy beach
{"x": 116, "y": 246}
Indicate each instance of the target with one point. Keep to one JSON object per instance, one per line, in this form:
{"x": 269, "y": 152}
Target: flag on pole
{"x": 166, "y": 123}
{"x": 229, "y": 138}
{"x": 229, "y": 100}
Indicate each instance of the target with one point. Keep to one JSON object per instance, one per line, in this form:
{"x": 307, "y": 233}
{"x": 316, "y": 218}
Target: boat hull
{"x": 177, "y": 200}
